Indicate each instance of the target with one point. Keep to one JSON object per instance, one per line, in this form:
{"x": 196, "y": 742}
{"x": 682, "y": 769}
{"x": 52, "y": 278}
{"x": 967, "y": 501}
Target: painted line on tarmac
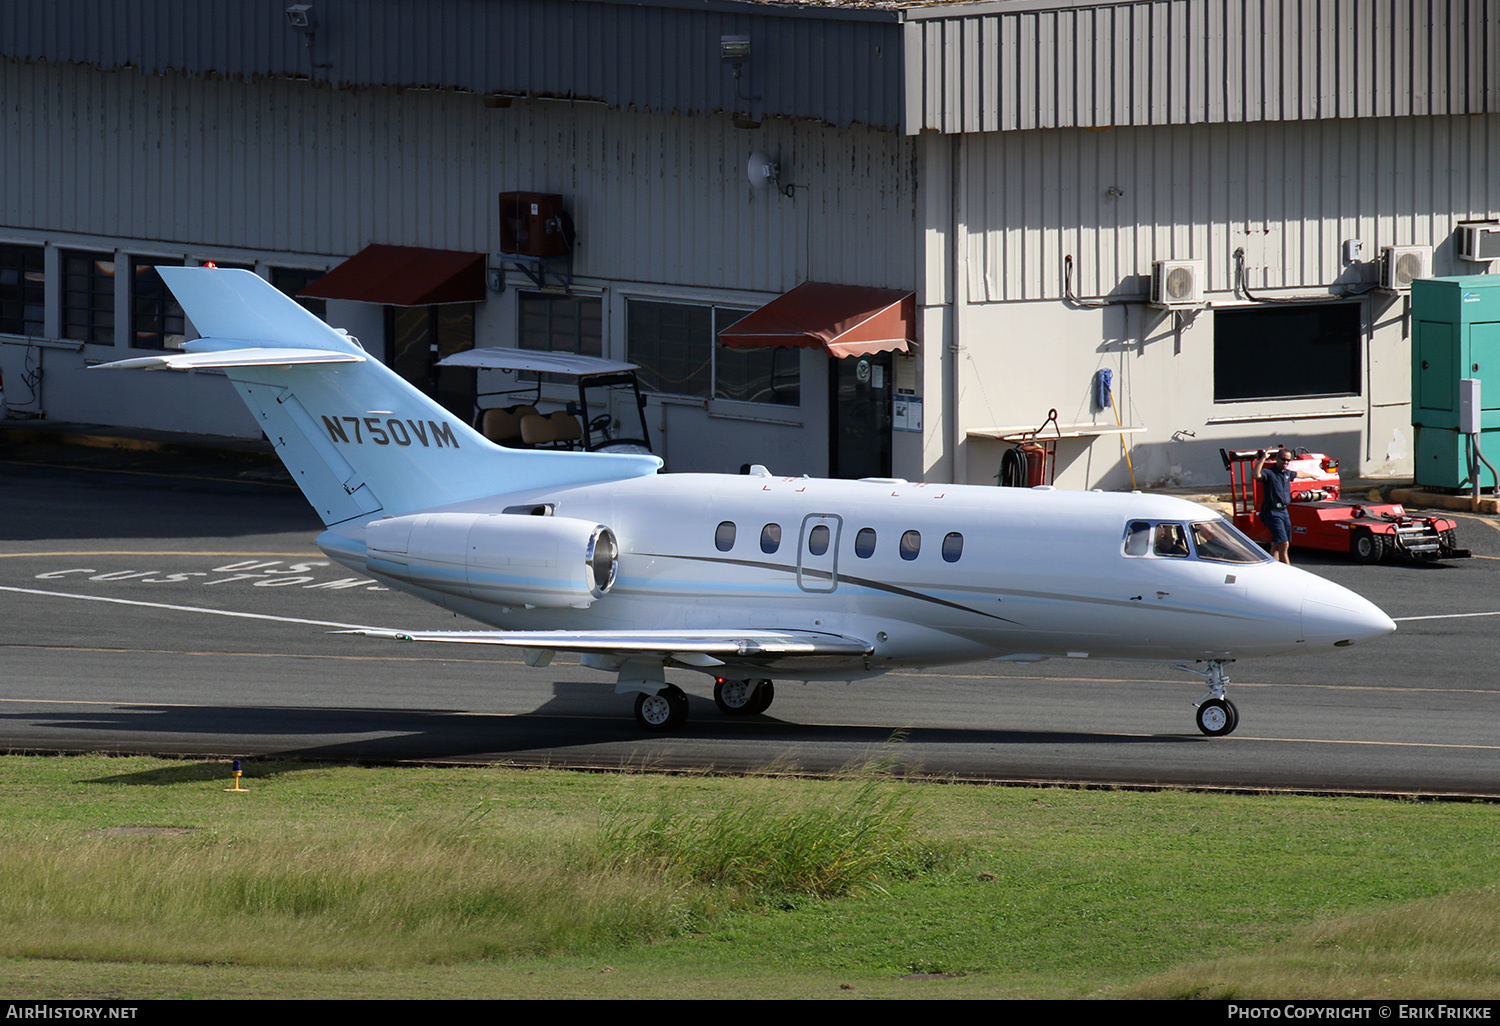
{"x": 1441, "y": 616}
{"x": 1487, "y": 521}
{"x": 92, "y": 469}
{"x": 151, "y": 552}
{"x": 186, "y": 609}
{"x": 260, "y": 655}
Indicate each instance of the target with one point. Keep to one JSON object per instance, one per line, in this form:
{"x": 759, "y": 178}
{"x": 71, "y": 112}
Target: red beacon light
{"x": 210, "y": 263}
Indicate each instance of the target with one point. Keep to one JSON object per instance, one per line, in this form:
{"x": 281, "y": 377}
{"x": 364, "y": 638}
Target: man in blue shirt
{"x": 1275, "y": 495}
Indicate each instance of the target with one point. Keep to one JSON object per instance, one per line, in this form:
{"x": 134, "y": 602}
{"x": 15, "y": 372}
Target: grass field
{"x": 138, "y": 878}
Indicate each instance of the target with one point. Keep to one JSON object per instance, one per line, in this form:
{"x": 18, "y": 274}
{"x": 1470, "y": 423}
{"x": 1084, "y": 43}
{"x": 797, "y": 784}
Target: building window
{"x": 770, "y": 375}
{"x": 292, "y": 280}
{"x": 156, "y": 320}
{"x": 23, "y": 292}
{"x": 560, "y": 323}
{"x": 677, "y": 348}
{"x": 88, "y": 296}
{"x": 1287, "y": 352}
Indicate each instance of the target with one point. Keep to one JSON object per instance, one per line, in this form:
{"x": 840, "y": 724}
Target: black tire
{"x": 666, "y": 710}
{"x": 1217, "y": 717}
{"x": 764, "y": 694}
{"x": 735, "y": 697}
{"x": 1366, "y": 546}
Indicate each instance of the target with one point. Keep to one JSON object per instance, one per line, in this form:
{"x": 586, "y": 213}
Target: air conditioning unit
{"x": 1479, "y": 241}
{"x": 1177, "y": 284}
{"x": 534, "y": 224}
{"x": 1402, "y": 265}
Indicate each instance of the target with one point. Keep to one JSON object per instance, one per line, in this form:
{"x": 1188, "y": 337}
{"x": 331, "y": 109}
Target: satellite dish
{"x": 761, "y": 170}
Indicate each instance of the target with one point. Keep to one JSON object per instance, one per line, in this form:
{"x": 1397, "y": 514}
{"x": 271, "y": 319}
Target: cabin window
{"x": 1171, "y": 540}
{"x": 864, "y": 543}
{"x": 817, "y": 540}
{"x": 724, "y": 536}
{"x": 911, "y": 544}
{"x": 1220, "y": 541}
{"x": 953, "y": 547}
{"x": 1138, "y": 538}
{"x": 770, "y": 538}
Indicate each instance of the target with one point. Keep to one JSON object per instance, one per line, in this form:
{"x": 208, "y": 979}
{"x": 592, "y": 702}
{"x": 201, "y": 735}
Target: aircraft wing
{"x": 696, "y": 648}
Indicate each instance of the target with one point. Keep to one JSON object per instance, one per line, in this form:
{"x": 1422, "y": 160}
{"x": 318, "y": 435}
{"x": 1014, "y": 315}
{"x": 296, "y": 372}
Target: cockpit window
{"x": 1170, "y": 541}
{"x": 1138, "y": 538}
{"x": 1218, "y": 540}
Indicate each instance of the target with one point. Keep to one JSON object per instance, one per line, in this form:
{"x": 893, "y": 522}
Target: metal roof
{"x": 1025, "y": 64}
{"x": 837, "y": 65}
{"x": 1001, "y": 65}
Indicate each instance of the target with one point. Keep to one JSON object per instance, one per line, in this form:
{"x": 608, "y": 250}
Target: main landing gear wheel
{"x": 663, "y": 711}
{"x": 1217, "y": 717}
{"x": 743, "y": 697}
{"x": 763, "y": 697}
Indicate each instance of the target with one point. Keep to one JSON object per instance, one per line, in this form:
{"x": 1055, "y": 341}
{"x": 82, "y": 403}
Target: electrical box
{"x": 534, "y": 224}
{"x": 1470, "y": 421}
{"x": 1455, "y": 336}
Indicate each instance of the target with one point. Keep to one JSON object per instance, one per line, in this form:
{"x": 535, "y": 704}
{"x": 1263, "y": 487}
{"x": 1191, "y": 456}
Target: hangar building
{"x": 1220, "y": 202}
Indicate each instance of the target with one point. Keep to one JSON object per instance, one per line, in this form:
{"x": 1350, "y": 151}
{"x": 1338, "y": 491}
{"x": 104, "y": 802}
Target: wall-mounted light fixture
{"x": 734, "y": 48}
{"x": 301, "y": 18}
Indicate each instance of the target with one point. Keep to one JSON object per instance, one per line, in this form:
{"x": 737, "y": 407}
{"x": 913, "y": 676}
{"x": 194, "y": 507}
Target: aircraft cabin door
{"x": 818, "y": 552}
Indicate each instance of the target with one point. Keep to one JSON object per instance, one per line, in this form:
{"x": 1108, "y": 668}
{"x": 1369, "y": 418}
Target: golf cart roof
{"x": 504, "y": 358}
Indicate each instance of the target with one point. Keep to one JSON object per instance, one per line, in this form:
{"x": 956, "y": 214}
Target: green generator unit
{"x": 1455, "y": 335}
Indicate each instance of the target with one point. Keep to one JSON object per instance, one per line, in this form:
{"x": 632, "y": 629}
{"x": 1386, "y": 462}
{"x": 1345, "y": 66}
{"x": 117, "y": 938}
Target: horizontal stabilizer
{"x": 261, "y": 357}
{"x": 737, "y": 644}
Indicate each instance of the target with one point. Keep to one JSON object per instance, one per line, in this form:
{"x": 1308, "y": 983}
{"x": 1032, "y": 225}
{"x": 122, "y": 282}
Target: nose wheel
{"x": 1217, "y": 715}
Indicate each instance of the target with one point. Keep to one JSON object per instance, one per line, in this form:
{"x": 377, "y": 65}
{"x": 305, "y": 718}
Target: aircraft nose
{"x": 1334, "y": 615}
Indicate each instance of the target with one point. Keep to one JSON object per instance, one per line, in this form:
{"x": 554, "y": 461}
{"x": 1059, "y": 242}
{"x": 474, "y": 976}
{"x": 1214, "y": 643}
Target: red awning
{"x": 404, "y": 276}
{"x": 846, "y": 320}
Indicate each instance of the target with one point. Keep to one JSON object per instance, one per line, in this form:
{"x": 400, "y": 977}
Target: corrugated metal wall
{"x": 1288, "y": 193}
{"x": 1003, "y": 67}
{"x": 297, "y": 167}
{"x": 840, "y": 66}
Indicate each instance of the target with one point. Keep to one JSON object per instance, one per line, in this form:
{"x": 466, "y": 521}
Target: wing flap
{"x": 677, "y": 644}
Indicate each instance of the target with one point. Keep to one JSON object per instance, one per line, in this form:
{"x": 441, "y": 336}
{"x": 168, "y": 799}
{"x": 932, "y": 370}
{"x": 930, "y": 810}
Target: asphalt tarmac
{"x": 174, "y": 603}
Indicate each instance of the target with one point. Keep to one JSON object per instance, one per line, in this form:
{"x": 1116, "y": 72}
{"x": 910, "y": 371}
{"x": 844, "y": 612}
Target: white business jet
{"x": 749, "y": 578}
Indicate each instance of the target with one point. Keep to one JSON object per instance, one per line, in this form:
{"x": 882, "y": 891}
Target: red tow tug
{"x": 1368, "y": 531}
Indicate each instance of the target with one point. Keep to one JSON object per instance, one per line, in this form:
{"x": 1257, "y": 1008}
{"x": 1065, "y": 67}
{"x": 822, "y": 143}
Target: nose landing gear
{"x": 1217, "y": 715}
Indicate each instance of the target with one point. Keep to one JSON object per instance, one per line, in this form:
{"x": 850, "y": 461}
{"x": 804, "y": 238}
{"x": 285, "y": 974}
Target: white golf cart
{"x": 511, "y": 416}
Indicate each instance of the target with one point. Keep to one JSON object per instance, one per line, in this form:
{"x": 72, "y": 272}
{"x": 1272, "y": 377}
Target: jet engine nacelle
{"x": 507, "y": 558}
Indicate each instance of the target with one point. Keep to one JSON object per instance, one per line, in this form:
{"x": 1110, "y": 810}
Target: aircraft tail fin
{"x": 357, "y": 439}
